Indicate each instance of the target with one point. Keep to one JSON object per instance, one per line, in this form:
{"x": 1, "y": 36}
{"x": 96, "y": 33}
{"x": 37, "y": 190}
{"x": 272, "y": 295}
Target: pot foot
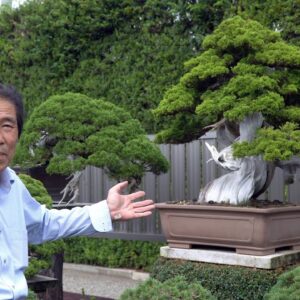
{"x": 179, "y": 245}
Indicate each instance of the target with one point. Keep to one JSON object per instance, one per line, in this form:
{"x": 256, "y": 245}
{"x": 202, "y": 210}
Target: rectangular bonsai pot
{"x": 253, "y": 231}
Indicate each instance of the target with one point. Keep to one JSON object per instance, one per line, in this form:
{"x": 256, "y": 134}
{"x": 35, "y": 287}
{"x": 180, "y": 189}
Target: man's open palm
{"x": 124, "y": 207}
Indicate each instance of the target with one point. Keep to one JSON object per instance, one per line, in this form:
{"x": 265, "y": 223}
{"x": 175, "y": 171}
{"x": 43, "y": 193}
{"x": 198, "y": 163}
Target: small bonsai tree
{"x": 71, "y": 131}
{"x": 246, "y": 85}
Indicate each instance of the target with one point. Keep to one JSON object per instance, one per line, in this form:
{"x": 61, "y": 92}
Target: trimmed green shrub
{"x": 112, "y": 253}
{"x": 172, "y": 289}
{"x": 287, "y": 286}
{"x": 224, "y": 282}
{"x": 37, "y": 190}
{"x": 31, "y": 295}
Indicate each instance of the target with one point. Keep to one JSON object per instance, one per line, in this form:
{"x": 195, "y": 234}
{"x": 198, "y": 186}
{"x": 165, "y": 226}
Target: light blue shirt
{"x": 23, "y": 220}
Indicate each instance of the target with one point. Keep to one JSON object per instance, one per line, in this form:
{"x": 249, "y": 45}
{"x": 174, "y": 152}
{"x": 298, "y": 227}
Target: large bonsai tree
{"x": 245, "y": 84}
{"x": 68, "y": 132}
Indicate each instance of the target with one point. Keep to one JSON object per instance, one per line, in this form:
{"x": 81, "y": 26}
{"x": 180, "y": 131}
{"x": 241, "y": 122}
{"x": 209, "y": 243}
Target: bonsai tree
{"x": 71, "y": 131}
{"x": 245, "y": 84}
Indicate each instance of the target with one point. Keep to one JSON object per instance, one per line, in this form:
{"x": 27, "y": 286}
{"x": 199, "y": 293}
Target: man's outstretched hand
{"x": 123, "y": 207}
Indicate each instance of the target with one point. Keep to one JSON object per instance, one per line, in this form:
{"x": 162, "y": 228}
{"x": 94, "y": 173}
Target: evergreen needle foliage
{"x": 126, "y": 51}
{"x": 245, "y": 68}
{"x": 71, "y": 131}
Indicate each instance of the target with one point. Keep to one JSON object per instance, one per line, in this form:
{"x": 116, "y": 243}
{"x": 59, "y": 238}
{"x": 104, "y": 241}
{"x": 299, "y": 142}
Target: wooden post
{"x": 56, "y": 271}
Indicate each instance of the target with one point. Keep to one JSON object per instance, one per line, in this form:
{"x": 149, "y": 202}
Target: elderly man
{"x": 23, "y": 220}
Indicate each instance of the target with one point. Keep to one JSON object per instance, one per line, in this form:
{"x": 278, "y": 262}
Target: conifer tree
{"x": 69, "y": 132}
{"x": 245, "y": 83}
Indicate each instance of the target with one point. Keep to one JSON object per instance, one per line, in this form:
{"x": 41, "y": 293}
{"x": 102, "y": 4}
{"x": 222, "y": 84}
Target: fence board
{"x": 193, "y": 172}
{"x": 164, "y": 180}
{"x": 178, "y": 169}
{"x": 85, "y": 187}
{"x": 276, "y": 188}
{"x": 149, "y": 185}
{"x": 294, "y": 190}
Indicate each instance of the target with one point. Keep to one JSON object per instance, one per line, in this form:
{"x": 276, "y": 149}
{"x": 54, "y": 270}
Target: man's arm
{"x": 54, "y": 224}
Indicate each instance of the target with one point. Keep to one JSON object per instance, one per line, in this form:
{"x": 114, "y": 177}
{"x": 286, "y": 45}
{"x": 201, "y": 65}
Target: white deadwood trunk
{"x": 72, "y": 188}
{"x": 250, "y": 176}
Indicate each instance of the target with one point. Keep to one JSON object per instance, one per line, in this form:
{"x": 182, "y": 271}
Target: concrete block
{"x": 272, "y": 261}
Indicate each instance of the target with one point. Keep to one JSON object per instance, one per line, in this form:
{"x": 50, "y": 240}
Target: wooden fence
{"x": 189, "y": 172}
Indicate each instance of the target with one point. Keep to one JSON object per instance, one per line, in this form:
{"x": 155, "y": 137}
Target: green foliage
{"x": 281, "y": 15}
{"x": 37, "y": 190}
{"x": 111, "y": 253}
{"x": 71, "y": 131}
{"x": 40, "y": 255}
{"x": 176, "y": 288}
{"x": 287, "y": 286}
{"x": 126, "y": 51}
{"x": 31, "y": 295}
{"x": 224, "y": 282}
{"x": 276, "y": 144}
{"x": 245, "y": 68}
{"x": 35, "y": 266}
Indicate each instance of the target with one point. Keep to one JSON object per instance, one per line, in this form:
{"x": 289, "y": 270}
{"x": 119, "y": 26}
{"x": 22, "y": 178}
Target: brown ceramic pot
{"x": 253, "y": 231}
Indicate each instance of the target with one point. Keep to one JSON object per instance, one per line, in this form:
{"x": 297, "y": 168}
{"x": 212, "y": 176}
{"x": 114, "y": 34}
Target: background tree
{"x": 71, "y": 131}
{"x": 128, "y": 51}
{"x": 280, "y": 15}
{"x": 246, "y": 85}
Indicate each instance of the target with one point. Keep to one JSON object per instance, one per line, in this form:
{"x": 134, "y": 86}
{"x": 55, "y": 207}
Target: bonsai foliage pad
{"x": 272, "y": 261}
{"x": 246, "y": 230}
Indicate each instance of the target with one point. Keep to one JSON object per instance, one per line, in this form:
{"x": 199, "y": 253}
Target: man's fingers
{"x": 143, "y": 203}
{"x": 119, "y": 187}
{"x": 143, "y": 206}
{"x": 136, "y": 195}
{"x": 143, "y": 214}
{"x": 143, "y": 209}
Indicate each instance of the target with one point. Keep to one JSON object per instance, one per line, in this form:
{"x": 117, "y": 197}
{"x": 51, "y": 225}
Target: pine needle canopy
{"x": 71, "y": 131}
{"x": 244, "y": 68}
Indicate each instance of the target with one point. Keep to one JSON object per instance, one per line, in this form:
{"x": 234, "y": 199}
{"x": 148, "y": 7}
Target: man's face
{"x": 8, "y": 132}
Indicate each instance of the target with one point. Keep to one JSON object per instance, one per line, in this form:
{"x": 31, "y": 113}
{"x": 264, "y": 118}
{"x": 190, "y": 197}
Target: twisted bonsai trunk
{"x": 250, "y": 176}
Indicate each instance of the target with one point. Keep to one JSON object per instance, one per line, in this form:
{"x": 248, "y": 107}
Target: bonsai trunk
{"x": 251, "y": 177}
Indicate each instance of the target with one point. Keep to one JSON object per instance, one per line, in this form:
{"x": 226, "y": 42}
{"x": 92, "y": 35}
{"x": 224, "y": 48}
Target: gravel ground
{"x": 101, "y": 282}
